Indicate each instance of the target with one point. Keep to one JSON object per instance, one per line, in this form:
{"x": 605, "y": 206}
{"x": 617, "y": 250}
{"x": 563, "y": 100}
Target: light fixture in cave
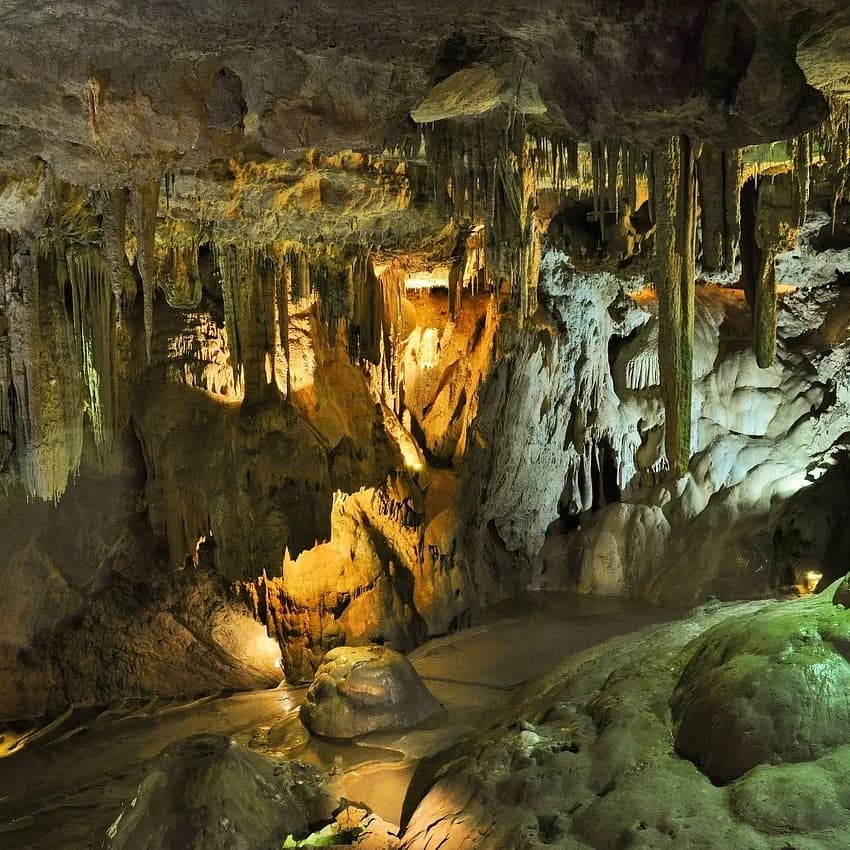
{"x": 813, "y": 579}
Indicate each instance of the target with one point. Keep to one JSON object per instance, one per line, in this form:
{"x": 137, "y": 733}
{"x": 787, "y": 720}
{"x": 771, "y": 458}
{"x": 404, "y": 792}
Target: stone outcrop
{"x": 208, "y": 793}
{"x": 585, "y": 757}
{"x": 99, "y": 616}
{"x": 770, "y": 691}
{"x": 366, "y": 689}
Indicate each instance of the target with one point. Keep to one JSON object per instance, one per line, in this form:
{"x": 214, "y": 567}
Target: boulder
{"x": 770, "y": 688}
{"x": 366, "y": 689}
{"x": 208, "y": 793}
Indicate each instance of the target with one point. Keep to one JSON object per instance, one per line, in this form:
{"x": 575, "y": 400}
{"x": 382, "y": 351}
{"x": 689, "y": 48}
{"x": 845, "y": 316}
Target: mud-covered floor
{"x": 67, "y": 787}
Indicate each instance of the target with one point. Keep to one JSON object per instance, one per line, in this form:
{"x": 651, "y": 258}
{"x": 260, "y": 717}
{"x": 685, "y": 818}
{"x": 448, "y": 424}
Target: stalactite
{"x": 42, "y": 379}
{"x": 329, "y": 275}
{"x": 612, "y": 159}
{"x": 771, "y": 214}
{"x": 177, "y": 272}
{"x": 512, "y": 242}
{"x": 800, "y": 151}
{"x": 144, "y": 199}
{"x": 226, "y": 257}
{"x": 833, "y": 141}
{"x": 365, "y": 325}
{"x": 733, "y": 175}
{"x": 7, "y": 251}
{"x": 94, "y": 326}
{"x": 554, "y": 156}
{"x": 719, "y": 174}
{"x": 456, "y": 275}
{"x": 392, "y": 296}
{"x": 642, "y": 370}
{"x": 114, "y": 229}
{"x": 486, "y": 170}
{"x": 599, "y": 170}
{"x": 300, "y": 287}
{"x": 675, "y": 204}
{"x": 283, "y": 281}
{"x": 249, "y": 288}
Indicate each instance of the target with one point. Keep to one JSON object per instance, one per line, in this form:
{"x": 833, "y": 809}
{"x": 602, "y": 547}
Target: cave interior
{"x": 425, "y": 426}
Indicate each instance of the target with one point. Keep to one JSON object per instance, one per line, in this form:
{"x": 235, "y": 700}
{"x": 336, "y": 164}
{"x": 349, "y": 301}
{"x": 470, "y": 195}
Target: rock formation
{"x": 207, "y": 793}
{"x": 338, "y": 327}
{"x": 589, "y": 755}
{"x": 366, "y": 689}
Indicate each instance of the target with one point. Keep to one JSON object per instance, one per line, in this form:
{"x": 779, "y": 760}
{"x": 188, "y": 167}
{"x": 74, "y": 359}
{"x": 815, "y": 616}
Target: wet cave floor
{"x": 65, "y": 787}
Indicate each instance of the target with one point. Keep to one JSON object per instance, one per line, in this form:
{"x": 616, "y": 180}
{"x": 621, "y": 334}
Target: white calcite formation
{"x": 758, "y": 437}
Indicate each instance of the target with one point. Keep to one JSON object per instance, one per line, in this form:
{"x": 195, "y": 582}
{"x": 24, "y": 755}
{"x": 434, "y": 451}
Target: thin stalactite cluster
{"x": 700, "y": 203}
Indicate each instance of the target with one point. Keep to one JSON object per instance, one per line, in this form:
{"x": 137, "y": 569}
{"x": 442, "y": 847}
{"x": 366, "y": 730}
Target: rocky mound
{"x": 208, "y": 793}
{"x": 585, "y": 755}
{"x": 366, "y": 689}
{"x": 772, "y": 688}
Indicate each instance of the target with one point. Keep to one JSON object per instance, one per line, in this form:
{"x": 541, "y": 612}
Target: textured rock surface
{"x": 366, "y": 689}
{"x": 208, "y": 793}
{"x": 99, "y": 616}
{"x": 771, "y": 690}
{"x": 759, "y": 437}
{"x": 164, "y": 83}
{"x": 584, "y": 756}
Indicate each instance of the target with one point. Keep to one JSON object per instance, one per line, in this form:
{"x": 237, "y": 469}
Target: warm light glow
{"x": 429, "y": 354}
{"x": 813, "y": 578}
{"x": 428, "y": 278}
{"x": 411, "y": 455}
{"x": 277, "y": 663}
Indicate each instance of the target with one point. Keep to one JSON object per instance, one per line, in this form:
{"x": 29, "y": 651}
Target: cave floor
{"x": 65, "y": 788}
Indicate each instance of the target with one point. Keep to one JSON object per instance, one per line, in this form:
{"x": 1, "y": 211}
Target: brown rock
{"x": 366, "y": 689}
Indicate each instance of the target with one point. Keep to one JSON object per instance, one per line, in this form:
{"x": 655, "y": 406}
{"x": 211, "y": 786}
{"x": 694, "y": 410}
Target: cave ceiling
{"x": 106, "y": 91}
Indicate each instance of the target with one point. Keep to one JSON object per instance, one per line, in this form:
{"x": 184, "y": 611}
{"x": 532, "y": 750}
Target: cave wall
{"x": 282, "y": 336}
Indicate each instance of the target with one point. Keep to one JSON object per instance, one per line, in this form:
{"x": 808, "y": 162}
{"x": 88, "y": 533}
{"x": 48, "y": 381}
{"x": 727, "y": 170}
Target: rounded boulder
{"x": 366, "y": 689}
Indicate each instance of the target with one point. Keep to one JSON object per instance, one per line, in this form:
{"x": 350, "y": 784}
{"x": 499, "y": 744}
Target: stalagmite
{"x": 675, "y": 191}
{"x": 145, "y": 204}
